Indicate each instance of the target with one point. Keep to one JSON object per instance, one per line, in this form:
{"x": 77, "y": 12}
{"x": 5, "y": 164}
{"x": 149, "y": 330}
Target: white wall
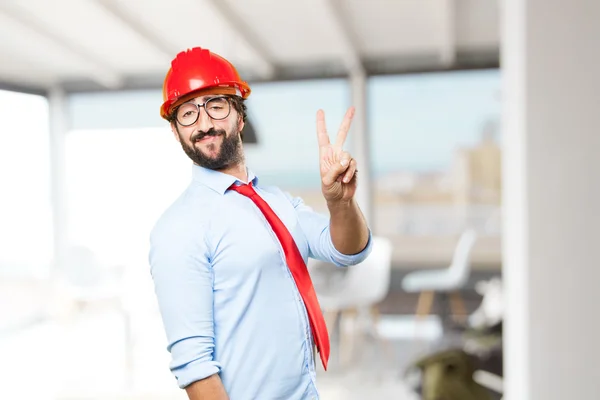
{"x": 551, "y": 94}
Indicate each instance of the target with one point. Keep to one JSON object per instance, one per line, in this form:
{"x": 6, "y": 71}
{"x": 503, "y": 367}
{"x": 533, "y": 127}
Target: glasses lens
{"x": 187, "y": 114}
{"x": 218, "y": 108}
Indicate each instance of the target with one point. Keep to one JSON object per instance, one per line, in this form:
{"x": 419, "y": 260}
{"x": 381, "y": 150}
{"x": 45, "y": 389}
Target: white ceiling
{"x": 114, "y": 44}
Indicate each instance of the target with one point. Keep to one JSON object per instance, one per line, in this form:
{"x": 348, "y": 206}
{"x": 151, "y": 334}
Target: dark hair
{"x": 240, "y": 106}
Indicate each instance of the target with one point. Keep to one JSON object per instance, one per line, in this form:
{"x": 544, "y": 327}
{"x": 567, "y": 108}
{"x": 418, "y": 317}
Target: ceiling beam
{"x": 466, "y": 60}
{"x": 266, "y": 69}
{"x": 448, "y": 32}
{"x": 163, "y": 46}
{"x": 20, "y": 88}
{"x": 98, "y": 70}
{"x": 347, "y": 41}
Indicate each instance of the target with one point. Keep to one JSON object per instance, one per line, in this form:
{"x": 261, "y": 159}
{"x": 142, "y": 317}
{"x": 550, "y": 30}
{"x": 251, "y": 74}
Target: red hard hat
{"x": 197, "y": 69}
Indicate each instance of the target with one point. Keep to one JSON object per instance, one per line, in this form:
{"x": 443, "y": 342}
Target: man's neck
{"x": 239, "y": 171}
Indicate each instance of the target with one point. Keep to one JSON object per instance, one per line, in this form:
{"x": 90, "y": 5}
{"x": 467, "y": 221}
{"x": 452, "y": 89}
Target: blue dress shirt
{"x": 228, "y": 301}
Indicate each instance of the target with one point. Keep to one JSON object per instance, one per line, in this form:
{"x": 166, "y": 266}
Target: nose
{"x": 204, "y": 122}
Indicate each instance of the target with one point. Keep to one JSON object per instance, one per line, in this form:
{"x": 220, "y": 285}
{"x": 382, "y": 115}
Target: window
{"x": 113, "y": 175}
{"x": 26, "y": 248}
{"x": 118, "y": 184}
{"x": 435, "y": 152}
{"x": 284, "y": 116}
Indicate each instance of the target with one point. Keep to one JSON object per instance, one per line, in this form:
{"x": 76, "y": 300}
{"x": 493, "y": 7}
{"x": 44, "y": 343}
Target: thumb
{"x": 336, "y": 170}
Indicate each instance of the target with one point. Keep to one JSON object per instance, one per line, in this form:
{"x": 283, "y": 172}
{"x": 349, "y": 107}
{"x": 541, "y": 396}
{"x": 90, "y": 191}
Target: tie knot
{"x": 246, "y": 190}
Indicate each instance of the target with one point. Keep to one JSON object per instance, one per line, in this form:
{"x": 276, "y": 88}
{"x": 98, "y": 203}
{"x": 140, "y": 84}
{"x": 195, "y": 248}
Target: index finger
{"x": 344, "y": 127}
{"x": 322, "y": 135}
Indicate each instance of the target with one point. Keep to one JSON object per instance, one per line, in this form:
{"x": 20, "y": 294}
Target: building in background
{"x": 444, "y": 202}
{"x": 477, "y": 170}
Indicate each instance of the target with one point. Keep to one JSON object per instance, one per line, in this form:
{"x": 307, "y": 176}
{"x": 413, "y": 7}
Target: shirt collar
{"x": 218, "y": 181}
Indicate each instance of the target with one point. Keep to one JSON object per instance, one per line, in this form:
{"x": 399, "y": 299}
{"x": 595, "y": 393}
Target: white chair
{"x": 447, "y": 281}
{"x": 360, "y": 291}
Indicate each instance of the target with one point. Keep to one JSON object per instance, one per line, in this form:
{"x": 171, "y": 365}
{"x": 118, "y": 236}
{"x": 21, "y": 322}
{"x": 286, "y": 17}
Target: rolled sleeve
{"x": 183, "y": 282}
{"x": 318, "y": 235}
{"x": 344, "y": 260}
{"x": 191, "y": 361}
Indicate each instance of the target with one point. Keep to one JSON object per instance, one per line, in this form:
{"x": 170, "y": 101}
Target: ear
{"x": 241, "y": 123}
{"x": 174, "y": 130}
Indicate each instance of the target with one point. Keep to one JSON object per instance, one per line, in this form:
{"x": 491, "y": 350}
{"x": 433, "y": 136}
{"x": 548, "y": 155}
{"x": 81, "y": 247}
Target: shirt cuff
{"x": 344, "y": 260}
{"x": 195, "y": 371}
{"x": 192, "y": 361}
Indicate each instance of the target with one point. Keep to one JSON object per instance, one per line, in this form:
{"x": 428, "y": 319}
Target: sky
{"x": 415, "y": 122}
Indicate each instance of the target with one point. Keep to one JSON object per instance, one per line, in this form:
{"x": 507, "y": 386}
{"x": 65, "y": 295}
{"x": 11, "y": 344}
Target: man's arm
{"x": 210, "y": 388}
{"x": 183, "y": 281}
{"x": 349, "y": 230}
{"x": 318, "y": 230}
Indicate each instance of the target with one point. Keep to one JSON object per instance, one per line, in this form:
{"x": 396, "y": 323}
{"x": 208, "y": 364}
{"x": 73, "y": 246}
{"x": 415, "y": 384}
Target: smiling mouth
{"x": 206, "y": 137}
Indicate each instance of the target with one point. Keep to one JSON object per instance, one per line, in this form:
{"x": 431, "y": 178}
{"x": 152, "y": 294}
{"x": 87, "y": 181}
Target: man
{"x": 228, "y": 257}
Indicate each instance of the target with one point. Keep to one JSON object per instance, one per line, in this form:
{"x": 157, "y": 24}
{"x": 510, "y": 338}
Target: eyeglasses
{"x": 216, "y": 107}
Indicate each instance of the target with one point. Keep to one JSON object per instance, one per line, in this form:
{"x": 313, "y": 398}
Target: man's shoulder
{"x": 186, "y": 212}
{"x": 279, "y": 192}
{"x": 293, "y": 199}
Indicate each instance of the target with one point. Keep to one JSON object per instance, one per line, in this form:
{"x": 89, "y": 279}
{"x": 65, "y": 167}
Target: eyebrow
{"x": 204, "y": 98}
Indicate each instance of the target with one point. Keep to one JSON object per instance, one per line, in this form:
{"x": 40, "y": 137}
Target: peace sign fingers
{"x": 322, "y": 135}
{"x": 344, "y": 128}
{"x": 337, "y": 167}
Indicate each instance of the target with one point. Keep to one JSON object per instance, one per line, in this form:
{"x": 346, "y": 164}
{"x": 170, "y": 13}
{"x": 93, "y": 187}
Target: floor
{"x": 84, "y": 359}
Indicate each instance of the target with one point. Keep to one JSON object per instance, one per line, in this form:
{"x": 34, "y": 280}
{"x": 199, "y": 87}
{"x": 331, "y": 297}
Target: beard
{"x": 230, "y": 152}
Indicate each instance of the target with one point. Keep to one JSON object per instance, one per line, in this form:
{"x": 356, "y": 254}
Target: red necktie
{"x": 298, "y": 269}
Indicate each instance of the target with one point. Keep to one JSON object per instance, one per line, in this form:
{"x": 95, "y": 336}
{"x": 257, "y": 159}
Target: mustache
{"x": 211, "y": 132}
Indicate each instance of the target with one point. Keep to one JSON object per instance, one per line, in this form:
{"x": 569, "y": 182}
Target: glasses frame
{"x": 203, "y": 105}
